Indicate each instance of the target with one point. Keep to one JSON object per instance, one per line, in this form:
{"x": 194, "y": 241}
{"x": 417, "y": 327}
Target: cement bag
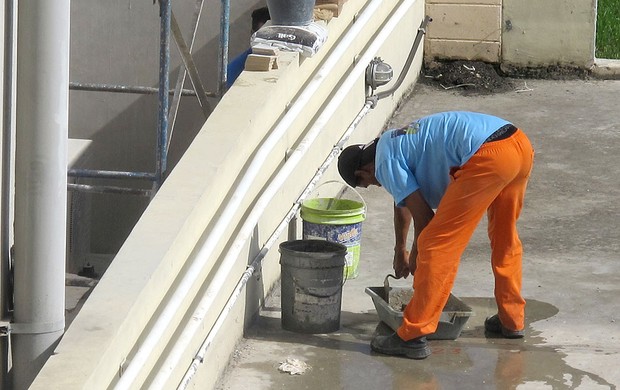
{"x": 306, "y": 40}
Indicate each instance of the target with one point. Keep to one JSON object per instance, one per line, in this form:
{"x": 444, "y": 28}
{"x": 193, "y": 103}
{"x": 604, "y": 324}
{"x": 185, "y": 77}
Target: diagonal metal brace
{"x": 176, "y": 98}
{"x": 188, "y": 61}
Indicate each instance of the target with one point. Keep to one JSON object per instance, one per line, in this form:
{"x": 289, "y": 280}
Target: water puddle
{"x": 343, "y": 360}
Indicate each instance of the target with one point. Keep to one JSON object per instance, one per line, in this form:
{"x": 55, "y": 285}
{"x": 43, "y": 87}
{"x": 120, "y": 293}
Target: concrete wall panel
{"x": 463, "y": 50}
{"x": 530, "y": 33}
{"x": 465, "y": 2}
{"x": 471, "y": 22}
{"x": 467, "y": 30}
{"x": 539, "y": 33}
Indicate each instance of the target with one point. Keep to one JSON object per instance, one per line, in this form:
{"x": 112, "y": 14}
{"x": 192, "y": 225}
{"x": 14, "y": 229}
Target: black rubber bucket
{"x": 311, "y": 285}
{"x": 291, "y": 12}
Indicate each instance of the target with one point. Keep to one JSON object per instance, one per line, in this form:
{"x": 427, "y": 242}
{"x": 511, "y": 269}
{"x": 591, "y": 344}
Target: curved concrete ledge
{"x": 606, "y": 69}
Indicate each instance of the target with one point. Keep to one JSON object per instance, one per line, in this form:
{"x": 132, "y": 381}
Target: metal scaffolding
{"x": 167, "y": 110}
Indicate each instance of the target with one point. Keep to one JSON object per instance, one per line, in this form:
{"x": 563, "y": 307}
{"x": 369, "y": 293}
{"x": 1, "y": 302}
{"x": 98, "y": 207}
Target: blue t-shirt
{"x": 236, "y": 66}
{"x": 420, "y": 155}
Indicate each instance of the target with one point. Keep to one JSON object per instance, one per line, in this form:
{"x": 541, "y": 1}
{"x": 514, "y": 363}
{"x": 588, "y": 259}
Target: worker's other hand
{"x": 401, "y": 263}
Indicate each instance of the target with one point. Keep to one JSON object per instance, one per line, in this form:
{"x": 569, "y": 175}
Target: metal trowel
{"x": 387, "y": 288}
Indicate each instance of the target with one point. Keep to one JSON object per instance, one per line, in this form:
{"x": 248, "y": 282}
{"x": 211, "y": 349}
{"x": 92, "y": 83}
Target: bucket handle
{"x": 346, "y": 186}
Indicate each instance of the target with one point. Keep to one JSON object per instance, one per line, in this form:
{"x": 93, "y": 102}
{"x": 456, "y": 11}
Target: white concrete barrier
{"x": 172, "y": 260}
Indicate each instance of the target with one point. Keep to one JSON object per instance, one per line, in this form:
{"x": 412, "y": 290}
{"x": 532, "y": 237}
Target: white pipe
{"x": 145, "y": 350}
{"x": 41, "y": 183}
{"x": 223, "y": 272}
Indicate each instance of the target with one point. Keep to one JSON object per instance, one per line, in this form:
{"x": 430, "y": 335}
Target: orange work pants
{"x": 493, "y": 180}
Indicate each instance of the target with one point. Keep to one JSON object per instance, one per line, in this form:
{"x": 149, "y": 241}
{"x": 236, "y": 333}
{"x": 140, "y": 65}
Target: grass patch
{"x": 608, "y": 29}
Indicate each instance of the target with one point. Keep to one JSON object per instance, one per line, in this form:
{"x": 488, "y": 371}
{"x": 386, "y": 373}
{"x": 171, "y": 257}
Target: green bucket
{"x": 336, "y": 220}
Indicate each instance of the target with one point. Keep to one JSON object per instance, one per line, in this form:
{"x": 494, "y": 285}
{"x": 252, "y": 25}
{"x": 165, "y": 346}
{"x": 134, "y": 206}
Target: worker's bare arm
{"x": 422, "y": 214}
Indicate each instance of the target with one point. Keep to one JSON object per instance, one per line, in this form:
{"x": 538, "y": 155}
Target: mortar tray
{"x": 453, "y": 317}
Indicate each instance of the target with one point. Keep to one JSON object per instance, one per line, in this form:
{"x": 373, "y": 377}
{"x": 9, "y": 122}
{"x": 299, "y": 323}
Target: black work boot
{"x": 493, "y": 325}
{"x": 394, "y": 345}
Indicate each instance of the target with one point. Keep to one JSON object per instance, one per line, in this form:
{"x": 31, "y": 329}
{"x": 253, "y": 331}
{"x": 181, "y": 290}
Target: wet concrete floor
{"x": 571, "y": 279}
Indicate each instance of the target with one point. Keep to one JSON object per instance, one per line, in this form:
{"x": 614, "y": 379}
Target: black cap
{"x": 353, "y": 158}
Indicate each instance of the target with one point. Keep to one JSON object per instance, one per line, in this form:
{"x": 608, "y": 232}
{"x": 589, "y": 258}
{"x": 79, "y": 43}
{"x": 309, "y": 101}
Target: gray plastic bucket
{"x": 291, "y": 12}
{"x": 311, "y": 291}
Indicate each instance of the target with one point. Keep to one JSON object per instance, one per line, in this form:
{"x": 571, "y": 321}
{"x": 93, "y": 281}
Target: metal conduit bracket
{"x": 372, "y": 100}
{"x": 5, "y": 328}
{"x": 36, "y": 328}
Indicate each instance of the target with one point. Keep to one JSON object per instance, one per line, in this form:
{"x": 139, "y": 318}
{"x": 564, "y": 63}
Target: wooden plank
{"x": 259, "y": 62}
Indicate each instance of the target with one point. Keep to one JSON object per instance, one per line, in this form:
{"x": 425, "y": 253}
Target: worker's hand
{"x": 401, "y": 262}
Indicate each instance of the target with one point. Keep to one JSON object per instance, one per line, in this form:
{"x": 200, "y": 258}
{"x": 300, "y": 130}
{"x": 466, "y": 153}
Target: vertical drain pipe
{"x": 40, "y": 184}
{"x": 6, "y": 209}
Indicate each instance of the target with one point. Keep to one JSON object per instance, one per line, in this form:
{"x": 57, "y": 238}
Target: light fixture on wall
{"x": 378, "y": 73}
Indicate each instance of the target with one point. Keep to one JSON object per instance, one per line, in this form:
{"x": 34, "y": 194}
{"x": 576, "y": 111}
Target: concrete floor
{"x": 569, "y": 228}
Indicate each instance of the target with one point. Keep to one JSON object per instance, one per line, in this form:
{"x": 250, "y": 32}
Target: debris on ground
{"x": 293, "y": 366}
{"x": 481, "y": 78}
{"x": 474, "y": 77}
